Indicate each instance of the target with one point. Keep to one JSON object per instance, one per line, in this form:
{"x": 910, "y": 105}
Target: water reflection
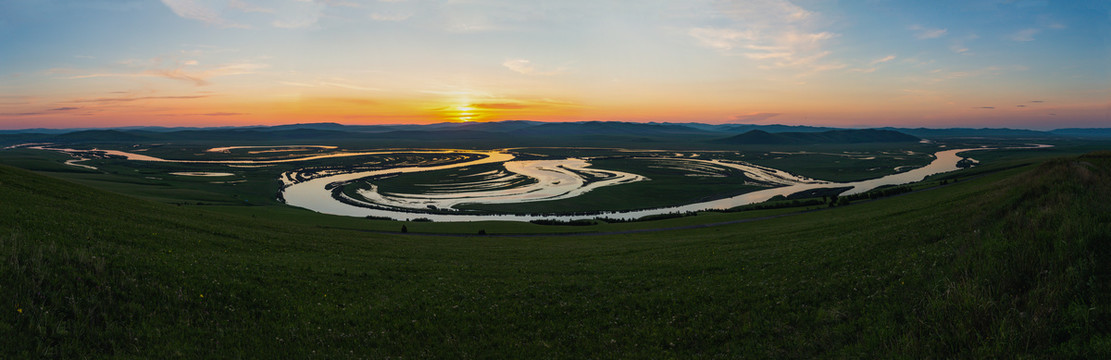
{"x": 314, "y": 196}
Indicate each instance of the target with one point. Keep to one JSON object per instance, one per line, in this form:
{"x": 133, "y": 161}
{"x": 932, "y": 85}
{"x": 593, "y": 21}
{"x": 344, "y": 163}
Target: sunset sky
{"x": 860, "y": 63}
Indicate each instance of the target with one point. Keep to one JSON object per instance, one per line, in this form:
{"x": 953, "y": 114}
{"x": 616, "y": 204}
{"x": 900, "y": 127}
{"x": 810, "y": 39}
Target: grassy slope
{"x": 1012, "y": 263}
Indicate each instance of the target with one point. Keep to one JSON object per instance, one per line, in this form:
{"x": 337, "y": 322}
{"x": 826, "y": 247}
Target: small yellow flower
{"x": 19, "y": 310}
{"x": 202, "y": 295}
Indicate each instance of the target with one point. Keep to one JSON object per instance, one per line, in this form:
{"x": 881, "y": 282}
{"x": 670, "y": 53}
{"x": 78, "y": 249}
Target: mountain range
{"x": 519, "y": 131}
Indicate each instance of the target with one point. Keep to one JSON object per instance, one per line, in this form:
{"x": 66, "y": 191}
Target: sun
{"x": 465, "y": 113}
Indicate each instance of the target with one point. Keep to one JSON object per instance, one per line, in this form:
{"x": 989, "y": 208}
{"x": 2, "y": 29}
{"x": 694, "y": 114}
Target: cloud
{"x": 349, "y": 86}
{"x": 500, "y": 106}
{"x": 923, "y": 33}
{"x": 206, "y": 11}
{"x": 350, "y": 100}
{"x": 882, "y": 60}
{"x": 36, "y": 113}
{"x": 289, "y": 14}
{"x": 179, "y": 74}
{"x": 223, "y": 114}
{"x": 198, "y": 78}
{"x": 526, "y": 67}
{"x": 1037, "y": 101}
{"x": 941, "y": 75}
{"x": 243, "y": 6}
{"x": 298, "y": 84}
{"x": 390, "y": 17}
{"x": 754, "y": 117}
{"x": 130, "y": 99}
{"x": 519, "y": 65}
{"x": 777, "y": 33}
{"x": 331, "y": 83}
{"x": 1025, "y": 35}
{"x": 985, "y": 107}
{"x": 721, "y": 39}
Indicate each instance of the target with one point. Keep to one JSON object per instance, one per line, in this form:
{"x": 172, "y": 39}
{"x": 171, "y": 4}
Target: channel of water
{"x": 314, "y": 195}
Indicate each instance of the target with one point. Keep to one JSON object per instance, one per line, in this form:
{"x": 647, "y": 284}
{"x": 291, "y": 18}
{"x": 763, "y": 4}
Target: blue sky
{"x": 1027, "y": 64}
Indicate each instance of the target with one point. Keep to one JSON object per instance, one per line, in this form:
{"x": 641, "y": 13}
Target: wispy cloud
{"x": 754, "y": 117}
{"x": 223, "y": 114}
{"x": 500, "y": 106}
{"x": 349, "y": 86}
{"x": 941, "y": 75}
{"x": 924, "y": 33}
{"x": 526, "y": 67}
{"x": 44, "y": 112}
{"x": 985, "y": 107}
{"x": 290, "y": 14}
{"x": 244, "y": 6}
{"x": 775, "y": 32}
{"x": 390, "y": 16}
{"x": 1025, "y": 35}
{"x": 201, "y": 11}
{"x": 349, "y": 100}
{"x": 329, "y": 83}
{"x": 298, "y": 14}
{"x": 138, "y": 98}
{"x": 882, "y": 60}
{"x": 178, "y": 72}
{"x": 873, "y": 65}
{"x": 721, "y": 39}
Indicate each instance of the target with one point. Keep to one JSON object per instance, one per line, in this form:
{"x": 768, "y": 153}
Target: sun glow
{"x": 462, "y": 113}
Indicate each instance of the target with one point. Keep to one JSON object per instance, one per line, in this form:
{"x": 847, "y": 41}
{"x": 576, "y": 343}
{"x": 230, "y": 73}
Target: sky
{"x": 849, "y": 63}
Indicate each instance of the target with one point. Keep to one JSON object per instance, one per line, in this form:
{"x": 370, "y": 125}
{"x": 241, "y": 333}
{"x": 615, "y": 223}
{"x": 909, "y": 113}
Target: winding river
{"x": 315, "y": 194}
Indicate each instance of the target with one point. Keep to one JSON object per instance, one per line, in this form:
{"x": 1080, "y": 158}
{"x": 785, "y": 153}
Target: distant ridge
{"x": 825, "y": 137}
{"x": 527, "y": 132}
{"x": 101, "y": 135}
{"x": 968, "y": 132}
{"x": 607, "y": 128}
{"x": 1084, "y": 132}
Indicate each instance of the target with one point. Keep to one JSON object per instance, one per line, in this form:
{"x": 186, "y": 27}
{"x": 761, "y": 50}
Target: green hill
{"x": 1010, "y": 264}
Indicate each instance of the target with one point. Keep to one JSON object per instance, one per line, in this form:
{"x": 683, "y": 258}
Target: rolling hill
{"x": 1008, "y": 264}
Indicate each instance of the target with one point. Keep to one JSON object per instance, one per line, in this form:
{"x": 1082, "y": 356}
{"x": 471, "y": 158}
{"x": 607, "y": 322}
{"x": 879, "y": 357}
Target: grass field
{"x": 1006, "y": 264}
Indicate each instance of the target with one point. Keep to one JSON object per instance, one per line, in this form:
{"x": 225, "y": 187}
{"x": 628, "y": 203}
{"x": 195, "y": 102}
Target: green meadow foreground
{"x": 1013, "y": 263}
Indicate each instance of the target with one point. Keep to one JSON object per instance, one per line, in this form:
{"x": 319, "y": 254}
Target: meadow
{"x": 1005, "y": 260}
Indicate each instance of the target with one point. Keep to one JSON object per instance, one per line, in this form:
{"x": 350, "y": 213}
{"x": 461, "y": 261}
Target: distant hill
{"x": 741, "y": 128}
{"x": 966, "y": 132}
{"x": 433, "y": 135}
{"x": 608, "y": 128}
{"x": 825, "y": 137}
{"x": 101, "y": 135}
{"x": 1084, "y": 132}
{"x": 512, "y": 132}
